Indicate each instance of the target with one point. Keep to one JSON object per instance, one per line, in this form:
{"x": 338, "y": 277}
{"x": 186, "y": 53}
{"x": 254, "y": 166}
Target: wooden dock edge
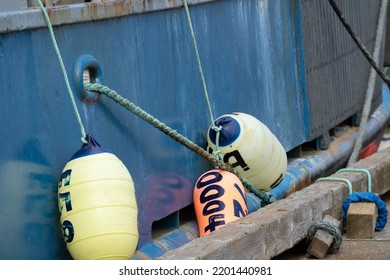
{"x": 279, "y": 226}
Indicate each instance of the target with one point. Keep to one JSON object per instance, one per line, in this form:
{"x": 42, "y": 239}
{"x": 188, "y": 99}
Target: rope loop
{"x": 369, "y": 188}
{"x": 349, "y": 184}
{"x": 329, "y": 228}
{"x": 334, "y": 179}
{"x": 217, "y": 128}
{"x": 368, "y": 197}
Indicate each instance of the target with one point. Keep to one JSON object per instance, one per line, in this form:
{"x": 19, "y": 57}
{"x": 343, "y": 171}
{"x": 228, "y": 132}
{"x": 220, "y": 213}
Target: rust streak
{"x": 58, "y": 15}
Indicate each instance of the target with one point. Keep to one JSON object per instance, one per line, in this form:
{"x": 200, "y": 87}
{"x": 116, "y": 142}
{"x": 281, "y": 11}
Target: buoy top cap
{"x": 230, "y": 130}
{"x": 90, "y": 148}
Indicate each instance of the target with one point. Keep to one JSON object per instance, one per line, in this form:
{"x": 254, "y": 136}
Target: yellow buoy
{"x": 219, "y": 198}
{"x": 250, "y": 148}
{"x": 98, "y": 209}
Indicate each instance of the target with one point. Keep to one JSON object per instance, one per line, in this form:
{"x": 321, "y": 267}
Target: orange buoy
{"x": 250, "y": 148}
{"x": 98, "y": 209}
{"x": 219, "y": 198}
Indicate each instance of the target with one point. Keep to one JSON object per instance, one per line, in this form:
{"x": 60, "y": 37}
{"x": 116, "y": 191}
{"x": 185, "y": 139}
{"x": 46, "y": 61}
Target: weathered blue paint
{"x": 172, "y": 240}
{"x": 252, "y": 56}
{"x": 302, "y": 69}
{"x": 149, "y": 251}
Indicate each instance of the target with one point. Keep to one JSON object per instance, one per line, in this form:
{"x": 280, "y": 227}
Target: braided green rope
{"x": 54, "y": 41}
{"x": 334, "y": 179}
{"x": 369, "y": 188}
{"x": 265, "y": 198}
{"x": 329, "y": 228}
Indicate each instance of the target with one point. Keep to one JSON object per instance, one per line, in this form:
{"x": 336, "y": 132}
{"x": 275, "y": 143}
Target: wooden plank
{"x": 361, "y": 220}
{"x": 322, "y": 240}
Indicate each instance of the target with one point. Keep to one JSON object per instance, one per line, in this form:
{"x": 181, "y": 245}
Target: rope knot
{"x": 217, "y": 152}
{"x": 217, "y": 129}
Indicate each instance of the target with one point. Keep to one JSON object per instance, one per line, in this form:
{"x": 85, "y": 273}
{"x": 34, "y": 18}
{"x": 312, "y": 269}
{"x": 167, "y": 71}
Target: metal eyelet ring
{"x": 87, "y": 70}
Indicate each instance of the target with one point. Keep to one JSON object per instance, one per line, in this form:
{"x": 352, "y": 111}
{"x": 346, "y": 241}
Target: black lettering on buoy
{"x": 280, "y": 178}
{"x": 219, "y": 206}
{"x": 204, "y": 197}
{"x": 239, "y": 160}
{"x": 65, "y": 197}
{"x": 68, "y": 231}
{"x": 214, "y": 221}
{"x": 65, "y": 178}
{"x": 217, "y": 178}
{"x": 240, "y": 191}
{"x": 238, "y": 210}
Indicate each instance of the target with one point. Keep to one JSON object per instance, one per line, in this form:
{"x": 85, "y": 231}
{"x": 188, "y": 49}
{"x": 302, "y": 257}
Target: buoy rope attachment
{"x": 55, "y": 45}
{"x": 264, "y": 197}
{"x": 217, "y": 152}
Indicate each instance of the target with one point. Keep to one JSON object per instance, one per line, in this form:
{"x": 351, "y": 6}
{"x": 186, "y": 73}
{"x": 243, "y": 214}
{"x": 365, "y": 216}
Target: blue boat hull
{"x": 257, "y": 58}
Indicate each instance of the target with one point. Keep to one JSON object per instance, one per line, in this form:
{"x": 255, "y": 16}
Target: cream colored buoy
{"x": 219, "y": 198}
{"x": 98, "y": 209}
{"x": 250, "y": 148}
